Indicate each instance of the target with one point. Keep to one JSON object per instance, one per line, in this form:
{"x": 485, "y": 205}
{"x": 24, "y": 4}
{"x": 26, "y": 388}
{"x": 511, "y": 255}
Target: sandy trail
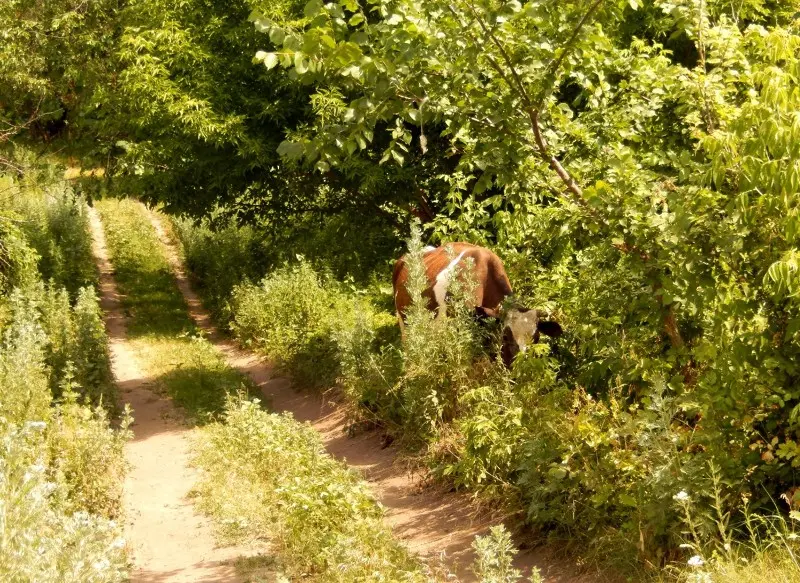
{"x": 434, "y": 524}
{"x": 168, "y": 541}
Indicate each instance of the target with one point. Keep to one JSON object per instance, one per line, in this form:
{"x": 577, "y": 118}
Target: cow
{"x": 521, "y": 326}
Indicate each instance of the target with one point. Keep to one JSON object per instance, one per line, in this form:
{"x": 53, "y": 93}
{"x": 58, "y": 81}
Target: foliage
{"x": 767, "y": 551}
{"x": 633, "y": 162}
{"x": 17, "y": 257}
{"x": 52, "y": 57}
{"x": 648, "y": 193}
{"x": 61, "y": 463}
{"x": 291, "y": 316}
{"x": 438, "y": 352}
{"x": 23, "y": 373}
{"x": 87, "y": 458}
{"x": 268, "y": 475}
{"x": 495, "y": 553}
{"x": 220, "y": 258}
{"x": 42, "y": 540}
{"x": 57, "y": 226}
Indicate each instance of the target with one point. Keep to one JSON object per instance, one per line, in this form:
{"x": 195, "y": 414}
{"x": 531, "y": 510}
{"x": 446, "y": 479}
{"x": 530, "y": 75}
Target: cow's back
{"x": 492, "y": 285}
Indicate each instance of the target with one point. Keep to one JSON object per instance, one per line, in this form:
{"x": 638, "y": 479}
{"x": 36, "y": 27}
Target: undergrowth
{"x": 595, "y": 472}
{"x": 61, "y": 460}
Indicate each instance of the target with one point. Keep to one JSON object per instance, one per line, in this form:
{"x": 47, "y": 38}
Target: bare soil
{"x": 168, "y": 541}
{"x": 435, "y": 524}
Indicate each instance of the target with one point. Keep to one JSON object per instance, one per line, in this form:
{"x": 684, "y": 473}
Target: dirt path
{"x": 168, "y": 541}
{"x": 432, "y": 523}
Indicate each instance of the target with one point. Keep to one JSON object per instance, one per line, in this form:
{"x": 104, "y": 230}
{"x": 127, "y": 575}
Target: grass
{"x": 163, "y": 336}
{"x": 268, "y": 476}
{"x": 153, "y": 304}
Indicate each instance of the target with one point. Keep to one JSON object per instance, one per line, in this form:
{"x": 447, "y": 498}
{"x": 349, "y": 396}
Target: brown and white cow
{"x": 521, "y": 326}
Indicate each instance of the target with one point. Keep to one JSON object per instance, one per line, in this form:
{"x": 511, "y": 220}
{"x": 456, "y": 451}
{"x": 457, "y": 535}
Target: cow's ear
{"x": 486, "y": 313}
{"x": 550, "y": 328}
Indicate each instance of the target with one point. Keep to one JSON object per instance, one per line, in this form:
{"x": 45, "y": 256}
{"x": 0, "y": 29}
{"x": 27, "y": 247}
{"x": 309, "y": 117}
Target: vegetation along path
{"x": 168, "y": 540}
{"x": 434, "y": 524}
{"x": 160, "y": 361}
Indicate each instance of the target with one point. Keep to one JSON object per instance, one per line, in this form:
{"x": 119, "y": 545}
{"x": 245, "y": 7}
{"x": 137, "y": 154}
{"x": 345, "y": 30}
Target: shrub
{"x": 53, "y": 221}
{"x": 369, "y": 367}
{"x": 43, "y": 541}
{"x": 61, "y": 464}
{"x": 87, "y": 457}
{"x": 90, "y": 354}
{"x": 73, "y": 337}
{"x": 292, "y": 316}
{"x": 438, "y": 353}
{"x": 221, "y": 259}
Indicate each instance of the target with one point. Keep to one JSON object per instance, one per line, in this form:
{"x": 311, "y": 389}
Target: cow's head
{"x": 521, "y": 328}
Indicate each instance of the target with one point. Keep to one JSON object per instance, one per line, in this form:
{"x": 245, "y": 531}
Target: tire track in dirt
{"x": 434, "y": 524}
{"x": 168, "y": 540}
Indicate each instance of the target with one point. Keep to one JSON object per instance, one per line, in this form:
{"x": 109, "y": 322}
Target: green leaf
{"x": 312, "y": 8}
{"x": 300, "y": 64}
{"x": 270, "y": 60}
{"x": 276, "y": 36}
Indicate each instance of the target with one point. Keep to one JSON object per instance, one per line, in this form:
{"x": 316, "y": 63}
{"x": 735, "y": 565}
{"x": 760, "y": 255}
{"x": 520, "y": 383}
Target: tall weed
{"x": 61, "y": 463}
{"x": 24, "y": 377}
{"x": 42, "y": 540}
{"x": 54, "y": 222}
{"x": 86, "y": 456}
{"x": 438, "y": 352}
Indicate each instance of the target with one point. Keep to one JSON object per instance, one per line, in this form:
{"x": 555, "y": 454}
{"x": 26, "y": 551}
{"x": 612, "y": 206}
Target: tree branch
{"x": 533, "y": 109}
{"x": 555, "y": 64}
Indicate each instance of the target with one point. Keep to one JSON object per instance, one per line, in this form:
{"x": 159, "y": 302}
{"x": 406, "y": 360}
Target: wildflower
{"x": 101, "y": 565}
{"x": 681, "y": 496}
{"x": 35, "y": 425}
{"x": 696, "y": 561}
{"x": 118, "y": 543}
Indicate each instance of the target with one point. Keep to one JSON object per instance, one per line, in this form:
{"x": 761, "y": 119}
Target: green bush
{"x": 292, "y": 316}
{"x": 221, "y": 259}
{"x": 43, "y": 540}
